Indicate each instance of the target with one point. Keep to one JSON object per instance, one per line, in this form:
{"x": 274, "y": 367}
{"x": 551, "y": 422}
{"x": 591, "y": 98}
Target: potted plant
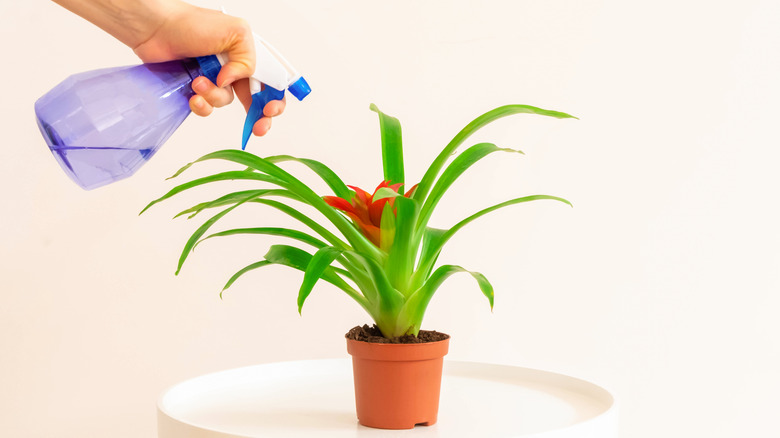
{"x": 384, "y": 259}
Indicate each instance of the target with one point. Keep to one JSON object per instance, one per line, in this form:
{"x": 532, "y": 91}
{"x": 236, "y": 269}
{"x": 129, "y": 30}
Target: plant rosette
{"x": 383, "y": 257}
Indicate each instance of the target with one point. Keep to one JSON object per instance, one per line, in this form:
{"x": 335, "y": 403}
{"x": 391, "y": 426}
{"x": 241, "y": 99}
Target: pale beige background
{"x": 662, "y": 283}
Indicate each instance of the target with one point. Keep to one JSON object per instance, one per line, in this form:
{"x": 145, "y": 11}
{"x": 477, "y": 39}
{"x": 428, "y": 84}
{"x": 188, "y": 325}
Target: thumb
{"x": 233, "y": 71}
{"x": 241, "y": 58}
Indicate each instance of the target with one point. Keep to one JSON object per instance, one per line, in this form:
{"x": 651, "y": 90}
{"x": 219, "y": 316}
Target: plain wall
{"x": 661, "y": 283}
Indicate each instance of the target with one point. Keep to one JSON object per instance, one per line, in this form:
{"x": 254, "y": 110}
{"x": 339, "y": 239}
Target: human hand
{"x": 185, "y": 31}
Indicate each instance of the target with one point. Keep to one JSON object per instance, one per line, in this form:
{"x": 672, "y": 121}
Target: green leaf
{"x": 224, "y": 176}
{"x": 388, "y": 296}
{"x": 392, "y": 149}
{"x": 237, "y": 196}
{"x": 455, "y": 228}
{"x": 299, "y": 259}
{"x": 246, "y": 159}
{"x": 431, "y": 240}
{"x": 284, "y": 232}
{"x": 243, "y": 271}
{"x": 355, "y": 237}
{"x": 232, "y": 198}
{"x": 387, "y": 228}
{"x": 485, "y": 211}
{"x": 385, "y": 192}
{"x": 433, "y": 171}
{"x": 436, "y": 239}
{"x": 181, "y": 170}
{"x": 403, "y": 251}
{"x": 203, "y": 228}
{"x": 387, "y": 301}
{"x": 429, "y": 253}
{"x": 304, "y": 219}
{"x": 414, "y": 309}
{"x": 288, "y": 256}
{"x": 316, "y": 268}
{"x": 330, "y": 177}
{"x": 453, "y": 171}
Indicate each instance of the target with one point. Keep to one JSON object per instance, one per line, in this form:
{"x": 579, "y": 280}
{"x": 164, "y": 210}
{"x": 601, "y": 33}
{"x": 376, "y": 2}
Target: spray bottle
{"x": 103, "y": 125}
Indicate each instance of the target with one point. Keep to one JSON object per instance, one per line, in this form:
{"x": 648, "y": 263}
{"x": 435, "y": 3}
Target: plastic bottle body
{"x": 103, "y": 125}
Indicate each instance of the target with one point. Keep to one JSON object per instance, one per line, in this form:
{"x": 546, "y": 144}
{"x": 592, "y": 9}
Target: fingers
{"x": 233, "y": 71}
{"x": 215, "y": 96}
{"x": 208, "y": 96}
{"x": 262, "y": 126}
{"x": 199, "y": 106}
{"x": 241, "y": 87}
{"x": 204, "y": 103}
{"x": 274, "y": 108}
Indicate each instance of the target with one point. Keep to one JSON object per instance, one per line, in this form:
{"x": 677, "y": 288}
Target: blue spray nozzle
{"x": 255, "y": 113}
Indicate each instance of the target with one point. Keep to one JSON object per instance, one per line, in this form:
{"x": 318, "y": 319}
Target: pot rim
{"x": 398, "y": 352}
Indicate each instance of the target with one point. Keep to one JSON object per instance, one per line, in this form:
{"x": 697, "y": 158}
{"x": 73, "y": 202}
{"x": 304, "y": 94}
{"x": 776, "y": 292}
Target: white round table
{"x": 315, "y": 399}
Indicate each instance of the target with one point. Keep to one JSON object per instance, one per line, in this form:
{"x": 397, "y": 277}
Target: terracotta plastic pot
{"x": 397, "y": 385}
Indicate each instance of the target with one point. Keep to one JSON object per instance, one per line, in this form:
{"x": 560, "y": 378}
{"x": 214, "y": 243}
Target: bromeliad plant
{"x": 385, "y": 258}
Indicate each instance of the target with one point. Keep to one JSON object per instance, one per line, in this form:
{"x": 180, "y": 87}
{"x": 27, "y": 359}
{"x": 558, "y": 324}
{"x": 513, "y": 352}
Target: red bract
{"x": 364, "y": 211}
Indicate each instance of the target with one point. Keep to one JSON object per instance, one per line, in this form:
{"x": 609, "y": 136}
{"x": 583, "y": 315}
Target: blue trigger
{"x": 255, "y": 113}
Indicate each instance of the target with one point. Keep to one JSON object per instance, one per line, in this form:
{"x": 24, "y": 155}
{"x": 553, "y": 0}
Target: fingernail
{"x": 226, "y": 82}
{"x": 199, "y": 85}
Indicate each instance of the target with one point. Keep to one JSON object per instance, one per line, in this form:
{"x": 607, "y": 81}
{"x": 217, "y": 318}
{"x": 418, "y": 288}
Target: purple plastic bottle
{"x": 103, "y": 125}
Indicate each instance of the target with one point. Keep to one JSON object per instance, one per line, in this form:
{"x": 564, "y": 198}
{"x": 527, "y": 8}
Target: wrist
{"x": 137, "y": 21}
{"x": 130, "y": 21}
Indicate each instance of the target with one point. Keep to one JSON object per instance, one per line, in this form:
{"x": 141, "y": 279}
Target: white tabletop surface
{"x": 316, "y": 399}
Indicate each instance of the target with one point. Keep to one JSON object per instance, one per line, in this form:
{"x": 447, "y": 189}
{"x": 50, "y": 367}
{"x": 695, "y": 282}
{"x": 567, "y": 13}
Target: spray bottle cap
{"x": 300, "y": 88}
{"x": 210, "y": 66}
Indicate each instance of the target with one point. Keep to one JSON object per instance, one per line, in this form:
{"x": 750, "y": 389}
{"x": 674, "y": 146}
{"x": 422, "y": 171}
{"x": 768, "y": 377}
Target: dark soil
{"x": 372, "y": 334}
